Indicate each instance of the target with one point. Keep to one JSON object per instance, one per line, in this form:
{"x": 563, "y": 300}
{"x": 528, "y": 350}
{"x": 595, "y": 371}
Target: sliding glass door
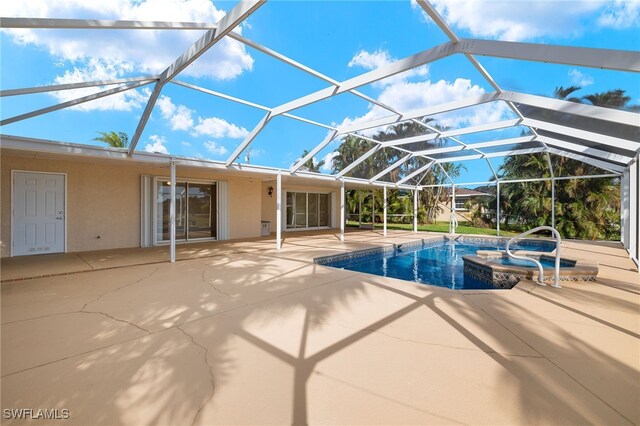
{"x": 307, "y": 210}
{"x": 195, "y": 211}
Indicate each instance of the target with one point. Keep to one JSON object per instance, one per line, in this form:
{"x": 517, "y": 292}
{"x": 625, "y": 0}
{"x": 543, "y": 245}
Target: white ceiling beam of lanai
{"x": 88, "y": 98}
{"x": 228, "y": 22}
{"x": 71, "y": 86}
{"x": 385, "y": 71}
{"x": 594, "y": 152}
{"x": 450, "y": 133}
{"x": 610, "y": 167}
{"x": 101, "y": 24}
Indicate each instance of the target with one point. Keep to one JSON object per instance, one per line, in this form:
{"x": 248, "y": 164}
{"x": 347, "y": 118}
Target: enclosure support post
{"x": 384, "y": 211}
{"x": 359, "y": 209}
{"x": 342, "y": 223}
{"x": 172, "y": 213}
{"x": 498, "y": 209}
{"x": 553, "y": 203}
{"x": 415, "y": 210}
{"x": 279, "y": 211}
{"x": 373, "y": 209}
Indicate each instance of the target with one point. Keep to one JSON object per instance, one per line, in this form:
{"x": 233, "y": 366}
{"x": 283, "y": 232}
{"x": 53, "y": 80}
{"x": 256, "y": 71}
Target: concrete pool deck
{"x": 240, "y": 333}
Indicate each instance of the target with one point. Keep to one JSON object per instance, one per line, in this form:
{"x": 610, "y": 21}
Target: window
{"x": 460, "y": 205}
{"x": 307, "y": 210}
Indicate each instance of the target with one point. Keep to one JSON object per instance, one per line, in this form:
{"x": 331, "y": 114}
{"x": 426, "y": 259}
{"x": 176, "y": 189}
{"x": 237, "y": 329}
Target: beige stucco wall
{"x": 445, "y": 214}
{"x": 103, "y": 199}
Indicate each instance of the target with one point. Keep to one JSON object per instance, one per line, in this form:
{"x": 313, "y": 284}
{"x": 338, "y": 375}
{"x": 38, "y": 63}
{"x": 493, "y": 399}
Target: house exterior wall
{"x": 445, "y": 214}
{"x": 103, "y": 199}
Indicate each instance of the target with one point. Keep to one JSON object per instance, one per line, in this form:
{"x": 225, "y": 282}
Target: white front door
{"x": 38, "y": 213}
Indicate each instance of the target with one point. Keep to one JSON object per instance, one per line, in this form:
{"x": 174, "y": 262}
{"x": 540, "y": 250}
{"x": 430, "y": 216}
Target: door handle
{"x": 60, "y": 218}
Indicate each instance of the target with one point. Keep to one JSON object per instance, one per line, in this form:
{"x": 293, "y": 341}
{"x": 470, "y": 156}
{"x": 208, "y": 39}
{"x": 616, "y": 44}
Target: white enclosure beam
{"x": 279, "y": 211}
{"x": 415, "y": 210}
{"x": 384, "y": 211}
{"x": 71, "y": 86}
{"x": 574, "y": 108}
{"x": 249, "y": 138}
{"x": 604, "y": 155}
{"x": 358, "y": 161}
{"x": 248, "y": 103}
{"x": 73, "y": 102}
{"x": 219, "y": 95}
{"x": 594, "y": 162}
{"x": 228, "y": 22}
{"x": 491, "y": 155}
{"x": 342, "y": 207}
{"x": 451, "y": 133}
{"x": 100, "y": 24}
{"x": 384, "y": 71}
{"x": 583, "y": 134}
{"x": 391, "y": 167}
{"x": 423, "y": 112}
{"x": 498, "y": 208}
{"x": 172, "y": 212}
{"x": 608, "y": 59}
{"x": 544, "y": 179}
{"x": 313, "y": 152}
{"x": 476, "y": 146}
{"x": 415, "y": 173}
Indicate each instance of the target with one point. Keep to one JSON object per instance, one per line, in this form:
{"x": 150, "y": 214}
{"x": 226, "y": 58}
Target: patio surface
{"x": 240, "y": 333}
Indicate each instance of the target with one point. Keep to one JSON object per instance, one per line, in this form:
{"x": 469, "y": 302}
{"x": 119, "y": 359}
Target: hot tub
{"x": 501, "y": 271}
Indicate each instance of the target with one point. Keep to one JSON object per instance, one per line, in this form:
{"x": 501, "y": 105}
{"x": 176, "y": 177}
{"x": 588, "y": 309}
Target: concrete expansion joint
{"x": 209, "y": 368}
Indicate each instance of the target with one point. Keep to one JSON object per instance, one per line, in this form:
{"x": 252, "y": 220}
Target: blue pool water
{"x": 439, "y": 265}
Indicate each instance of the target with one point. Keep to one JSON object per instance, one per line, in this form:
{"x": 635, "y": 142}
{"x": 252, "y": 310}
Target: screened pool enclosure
{"x": 392, "y": 150}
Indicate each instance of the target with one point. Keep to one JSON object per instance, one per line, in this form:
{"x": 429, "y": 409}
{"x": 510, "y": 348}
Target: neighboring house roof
{"x": 465, "y": 192}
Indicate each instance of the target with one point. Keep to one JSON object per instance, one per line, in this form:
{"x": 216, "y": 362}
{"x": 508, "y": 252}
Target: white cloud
{"x": 516, "y": 20}
{"x": 370, "y": 61}
{"x": 621, "y": 14}
{"x": 96, "y": 69}
{"x": 405, "y": 95}
{"x": 185, "y": 143}
{"x": 179, "y": 116}
{"x": 218, "y": 128}
{"x": 214, "y": 148}
{"x": 580, "y": 79}
{"x": 144, "y": 51}
{"x": 328, "y": 162}
{"x": 157, "y": 144}
{"x": 408, "y": 96}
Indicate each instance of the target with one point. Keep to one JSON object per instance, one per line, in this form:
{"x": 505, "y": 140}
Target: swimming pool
{"x": 436, "y": 262}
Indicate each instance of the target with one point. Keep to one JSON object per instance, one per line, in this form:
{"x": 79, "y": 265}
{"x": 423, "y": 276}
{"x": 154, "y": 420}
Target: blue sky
{"x": 339, "y": 39}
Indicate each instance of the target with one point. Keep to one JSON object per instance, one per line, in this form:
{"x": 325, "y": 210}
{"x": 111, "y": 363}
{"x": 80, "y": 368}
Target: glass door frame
{"x": 213, "y": 210}
{"x": 307, "y": 228}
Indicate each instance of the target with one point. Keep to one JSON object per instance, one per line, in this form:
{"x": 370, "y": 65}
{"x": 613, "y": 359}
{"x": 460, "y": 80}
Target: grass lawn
{"x": 463, "y": 228}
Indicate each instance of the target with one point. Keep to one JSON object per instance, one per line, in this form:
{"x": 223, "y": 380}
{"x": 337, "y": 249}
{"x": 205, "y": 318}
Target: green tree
{"x": 312, "y": 165}
{"x": 113, "y": 139}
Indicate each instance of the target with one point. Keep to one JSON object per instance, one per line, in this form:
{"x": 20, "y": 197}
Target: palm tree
{"x": 311, "y": 165}
{"x": 612, "y": 99}
{"x": 563, "y": 93}
{"x": 113, "y": 139}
